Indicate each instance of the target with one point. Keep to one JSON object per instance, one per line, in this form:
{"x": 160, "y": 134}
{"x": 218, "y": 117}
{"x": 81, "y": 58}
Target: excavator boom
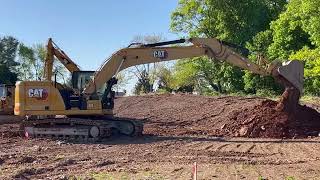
{"x": 211, "y": 47}
{"x": 54, "y": 51}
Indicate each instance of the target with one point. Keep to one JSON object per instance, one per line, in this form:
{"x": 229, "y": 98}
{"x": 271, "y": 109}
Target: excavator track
{"x": 80, "y": 128}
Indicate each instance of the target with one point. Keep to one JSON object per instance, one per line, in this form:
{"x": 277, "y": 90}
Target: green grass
{"x": 290, "y": 178}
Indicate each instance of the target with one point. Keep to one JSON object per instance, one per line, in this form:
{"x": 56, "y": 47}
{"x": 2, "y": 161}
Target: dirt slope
{"x": 229, "y": 116}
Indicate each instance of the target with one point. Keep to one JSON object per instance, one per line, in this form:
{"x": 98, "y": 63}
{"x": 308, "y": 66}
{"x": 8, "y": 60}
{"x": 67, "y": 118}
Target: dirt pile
{"x": 264, "y": 120}
{"x": 228, "y": 116}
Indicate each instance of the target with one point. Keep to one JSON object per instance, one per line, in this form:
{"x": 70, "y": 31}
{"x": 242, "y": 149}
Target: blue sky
{"x": 88, "y": 31}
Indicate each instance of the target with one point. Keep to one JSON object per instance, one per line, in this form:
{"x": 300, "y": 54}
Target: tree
{"x": 295, "y": 35}
{"x": 201, "y": 73}
{"x": 288, "y": 32}
{"x": 165, "y": 81}
{"x": 26, "y": 60}
{"x": 228, "y": 20}
{"x": 143, "y": 85}
{"x": 253, "y": 82}
{"x": 31, "y": 60}
{"x": 311, "y": 58}
{"x": 8, "y": 50}
{"x": 7, "y": 76}
{"x": 185, "y": 75}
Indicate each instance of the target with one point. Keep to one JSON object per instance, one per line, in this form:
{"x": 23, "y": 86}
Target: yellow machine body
{"x": 37, "y": 98}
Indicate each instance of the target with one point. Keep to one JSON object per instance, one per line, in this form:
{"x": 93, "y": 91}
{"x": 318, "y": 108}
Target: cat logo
{"x": 40, "y": 94}
{"x": 162, "y": 54}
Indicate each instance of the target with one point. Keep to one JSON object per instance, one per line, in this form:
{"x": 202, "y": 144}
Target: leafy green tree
{"x": 228, "y": 20}
{"x": 288, "y": 32}
{"x": 143, "y": 85}
{"x": 164, "y": 79}
{"x": 201, "y": 73}
{"x": 293, "y": 30}
{"x": 185, "y": 74}
{"x": 294, "y": 35}
{"x": 8, "y": 50}
{"x": 253, "y": 82}
{"x": 7, "y": 76}
{"x": 26, "y": 60}
{"x": 311, "y": 59}
{"x": 31, "y": 60}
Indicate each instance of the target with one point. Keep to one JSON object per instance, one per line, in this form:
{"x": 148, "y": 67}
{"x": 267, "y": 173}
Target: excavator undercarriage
{"x": 91, "y": 128}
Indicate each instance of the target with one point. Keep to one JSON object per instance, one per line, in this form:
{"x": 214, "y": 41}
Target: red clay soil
{"x": 228, "y": 116}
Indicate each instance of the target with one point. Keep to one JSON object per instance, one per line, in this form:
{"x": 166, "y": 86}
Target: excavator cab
{"x": 72, "y": 97}
{"x": 75, "y": 99}
{"x": 81, "y": 78}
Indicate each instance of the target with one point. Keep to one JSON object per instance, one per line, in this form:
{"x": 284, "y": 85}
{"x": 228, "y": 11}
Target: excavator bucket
{"x": 292, "y": 71}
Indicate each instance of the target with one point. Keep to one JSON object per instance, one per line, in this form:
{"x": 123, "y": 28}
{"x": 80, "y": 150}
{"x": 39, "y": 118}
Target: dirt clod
{"x": 243, "y": 131}
{"x": 27, "y": 159}
{"x": 66, "y": 162}
{"x": 105, "y": 163}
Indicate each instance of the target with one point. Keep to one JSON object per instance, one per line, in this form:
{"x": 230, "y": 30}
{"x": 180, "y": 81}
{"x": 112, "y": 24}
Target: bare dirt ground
{"x": 179, "y": 130}
{"x": 226, "y": 116}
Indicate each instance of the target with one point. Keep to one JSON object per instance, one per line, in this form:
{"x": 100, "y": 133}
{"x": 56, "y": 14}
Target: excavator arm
{"x": 54, "y": 51}
{"x": 211, "y": 47}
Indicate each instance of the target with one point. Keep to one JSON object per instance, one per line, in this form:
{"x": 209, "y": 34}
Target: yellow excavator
{"x": 85, "y": 110}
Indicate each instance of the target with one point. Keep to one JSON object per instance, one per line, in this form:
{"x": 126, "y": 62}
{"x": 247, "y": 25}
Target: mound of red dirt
{"x": 229, "y": 116}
